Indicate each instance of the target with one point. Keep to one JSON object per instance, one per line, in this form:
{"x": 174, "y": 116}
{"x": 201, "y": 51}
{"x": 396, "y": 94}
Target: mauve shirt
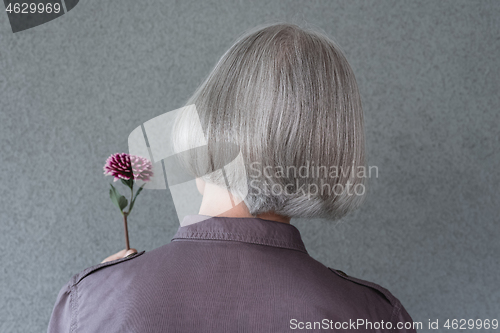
{"x": 224, "y": 275}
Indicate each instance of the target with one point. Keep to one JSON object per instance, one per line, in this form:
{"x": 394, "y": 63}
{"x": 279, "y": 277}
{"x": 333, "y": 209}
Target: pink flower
{"x": 125, "y": 166}
{"x": 141, "y": 168}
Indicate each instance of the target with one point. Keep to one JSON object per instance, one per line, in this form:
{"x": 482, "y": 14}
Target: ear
{"x": 200, "y": 185}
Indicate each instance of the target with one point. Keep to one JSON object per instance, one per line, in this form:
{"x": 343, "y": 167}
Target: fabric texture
{"x": 224, "y": 275}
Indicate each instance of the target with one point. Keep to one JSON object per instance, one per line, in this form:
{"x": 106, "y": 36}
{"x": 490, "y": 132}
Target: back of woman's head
{"x": 288, "y": 98}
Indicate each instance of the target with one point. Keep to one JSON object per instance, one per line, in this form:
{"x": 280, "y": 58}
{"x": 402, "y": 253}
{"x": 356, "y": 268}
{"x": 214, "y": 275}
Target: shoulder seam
{"x": 80, "y": 276}
{"x": 392, "y": 300}
{"x": 395, "y": 312}
{"x": 73, "y": 299}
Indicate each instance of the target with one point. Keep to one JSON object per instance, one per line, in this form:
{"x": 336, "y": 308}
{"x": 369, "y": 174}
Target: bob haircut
{"x": 288, "y": 98}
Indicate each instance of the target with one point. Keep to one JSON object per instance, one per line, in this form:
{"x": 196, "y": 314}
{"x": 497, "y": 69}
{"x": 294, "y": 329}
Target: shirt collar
{"x": 247, "y": 230}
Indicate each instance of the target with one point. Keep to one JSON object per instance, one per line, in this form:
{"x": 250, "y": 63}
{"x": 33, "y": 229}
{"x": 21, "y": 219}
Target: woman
{"x": 287, "y": 99}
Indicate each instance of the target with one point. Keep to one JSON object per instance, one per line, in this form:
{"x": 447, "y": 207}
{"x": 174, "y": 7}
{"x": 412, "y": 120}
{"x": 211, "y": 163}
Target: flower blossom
{"x": 125, "y": 166}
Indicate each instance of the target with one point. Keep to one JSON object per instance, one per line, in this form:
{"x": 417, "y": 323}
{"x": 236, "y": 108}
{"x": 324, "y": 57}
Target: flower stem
{"x": 125, "y": 214}
{"x": 131, "y": 196}
{"x": 126, "y": 229}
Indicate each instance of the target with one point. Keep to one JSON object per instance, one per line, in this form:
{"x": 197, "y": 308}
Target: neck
{"x": 217, "y": 201}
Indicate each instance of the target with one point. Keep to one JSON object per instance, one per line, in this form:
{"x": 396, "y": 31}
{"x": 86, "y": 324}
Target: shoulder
{"x": 87, "y": 271}
{"x": 397, "y": 309}
{"x": 399, "y": 316}
{"x": 64, "y": 313}
{"x": 375, "y": 287}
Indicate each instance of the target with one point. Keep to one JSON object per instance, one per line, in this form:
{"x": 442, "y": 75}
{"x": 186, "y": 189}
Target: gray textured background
{"x": 74, "y": 88}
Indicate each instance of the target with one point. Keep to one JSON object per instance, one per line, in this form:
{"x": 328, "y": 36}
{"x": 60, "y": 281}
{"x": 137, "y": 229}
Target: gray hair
{"x": 288, "y": 98}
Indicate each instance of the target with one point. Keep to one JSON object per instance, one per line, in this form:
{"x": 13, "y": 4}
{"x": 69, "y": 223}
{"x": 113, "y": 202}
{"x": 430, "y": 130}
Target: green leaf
{"x": 129, "y": 182}
{"x": 114, "y": 195}
{"x": 123, "y": 202}
{"x": 136, "y": 194}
